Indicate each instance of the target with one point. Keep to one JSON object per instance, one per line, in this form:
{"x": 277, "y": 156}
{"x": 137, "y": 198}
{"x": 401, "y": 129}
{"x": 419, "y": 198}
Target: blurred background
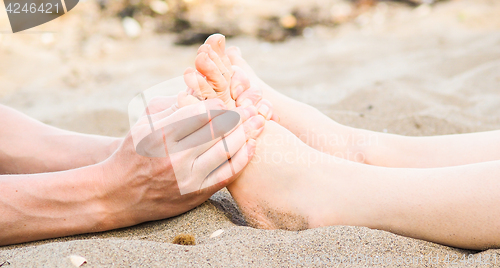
{"x": 408, "y": 67}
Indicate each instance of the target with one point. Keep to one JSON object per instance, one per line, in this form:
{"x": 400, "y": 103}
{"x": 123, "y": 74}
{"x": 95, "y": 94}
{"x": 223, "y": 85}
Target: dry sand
{"x": 422, "y": 71}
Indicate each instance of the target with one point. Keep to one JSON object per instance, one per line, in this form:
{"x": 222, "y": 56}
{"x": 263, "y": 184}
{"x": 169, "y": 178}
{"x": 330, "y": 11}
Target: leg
{"x": 380, "y": 149}
{"x": 289, "y": 185}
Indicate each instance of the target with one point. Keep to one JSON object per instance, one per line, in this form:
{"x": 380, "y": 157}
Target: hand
{"x": 138, "y": 188}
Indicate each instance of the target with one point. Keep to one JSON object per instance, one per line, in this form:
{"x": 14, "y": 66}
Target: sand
{"x": 426, "y": 71}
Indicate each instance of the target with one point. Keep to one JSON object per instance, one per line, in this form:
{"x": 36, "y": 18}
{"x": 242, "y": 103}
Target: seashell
{"x": 77, "y": 261}
{"x": 216, "y": 233}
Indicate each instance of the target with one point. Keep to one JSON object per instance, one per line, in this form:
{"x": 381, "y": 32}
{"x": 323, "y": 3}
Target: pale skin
{"x": 108, "y": 185}
{"x": 442, "y": 189}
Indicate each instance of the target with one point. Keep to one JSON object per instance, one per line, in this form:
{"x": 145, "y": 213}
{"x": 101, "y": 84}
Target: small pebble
{"x": 216, "y": 233}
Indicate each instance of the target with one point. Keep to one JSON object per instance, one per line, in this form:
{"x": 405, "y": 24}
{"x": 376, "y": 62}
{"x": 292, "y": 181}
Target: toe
{"x": 226, "y": 71}
{"x": 218, "y": 44}
{"x": 254, "y": 126}
{"x": 233, "y": 51}
{"x": 197, "y": 85}
{"x": 239, "y": 82}
{"x": 212, "y": 73}
{"x": 184, "y": 99}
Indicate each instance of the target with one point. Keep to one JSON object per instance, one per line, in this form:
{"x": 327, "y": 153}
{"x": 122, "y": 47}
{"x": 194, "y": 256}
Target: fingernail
{"x": 263, "y": 110}
{"x": 246, "y": 103}
{"x": 257, "y": 122}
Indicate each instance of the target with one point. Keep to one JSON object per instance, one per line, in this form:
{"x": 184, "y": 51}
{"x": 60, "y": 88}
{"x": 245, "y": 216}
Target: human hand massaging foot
{"x": 186, "y": 151}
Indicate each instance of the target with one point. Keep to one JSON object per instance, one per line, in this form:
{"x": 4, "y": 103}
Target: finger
{"x": 186, "y": 120}
{"x": 226, "y": 173}
{"x": 144, "y": 131}
{"x": 220, "y": 152}
{"x": 223, "y": 123}
{"x": 183, "y": 99}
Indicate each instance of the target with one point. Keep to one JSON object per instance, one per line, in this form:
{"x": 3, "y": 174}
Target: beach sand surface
{"x": 424, "y": 71}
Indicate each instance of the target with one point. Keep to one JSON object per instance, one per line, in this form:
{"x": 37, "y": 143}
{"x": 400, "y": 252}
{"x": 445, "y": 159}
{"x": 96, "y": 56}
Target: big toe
{"x": 218, "y": 44}
{"x": 213, "y": 75}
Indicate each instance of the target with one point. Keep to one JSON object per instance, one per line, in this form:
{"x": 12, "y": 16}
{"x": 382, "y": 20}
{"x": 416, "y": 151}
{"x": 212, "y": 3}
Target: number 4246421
{"x": 32, "y": 8}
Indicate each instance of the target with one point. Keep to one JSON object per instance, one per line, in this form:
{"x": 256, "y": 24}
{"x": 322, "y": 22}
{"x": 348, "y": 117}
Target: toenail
{"x": 264, "y": 110}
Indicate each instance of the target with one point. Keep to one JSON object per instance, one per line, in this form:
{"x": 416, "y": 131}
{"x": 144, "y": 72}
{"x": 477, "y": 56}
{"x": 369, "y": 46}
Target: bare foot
{"x": 284, "y": 185}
